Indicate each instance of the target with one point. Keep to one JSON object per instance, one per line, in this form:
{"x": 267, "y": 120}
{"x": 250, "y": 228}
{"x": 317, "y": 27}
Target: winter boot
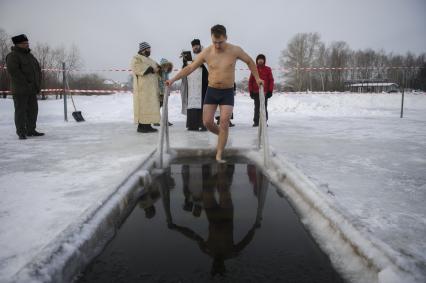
{"x": 151, "y": 129}
{"x": 146, "y": 128}
{"x": 35, "y": 134}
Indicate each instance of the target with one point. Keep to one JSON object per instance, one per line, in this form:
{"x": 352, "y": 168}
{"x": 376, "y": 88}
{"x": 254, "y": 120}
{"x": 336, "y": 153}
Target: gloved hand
{"x": 252, "y": 94}
{"x": 149, "y": 70}
{"x": 269, "y": 94}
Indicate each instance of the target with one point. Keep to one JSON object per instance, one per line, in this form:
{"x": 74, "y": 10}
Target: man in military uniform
{"x": 25, "y": 77}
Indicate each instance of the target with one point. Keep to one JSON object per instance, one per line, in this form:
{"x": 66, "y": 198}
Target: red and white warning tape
{"x": 240, "y": 69}
{"x": 77, "y": 90}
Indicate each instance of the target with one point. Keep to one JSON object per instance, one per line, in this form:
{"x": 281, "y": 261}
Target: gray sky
{"x": 108, "y": 32}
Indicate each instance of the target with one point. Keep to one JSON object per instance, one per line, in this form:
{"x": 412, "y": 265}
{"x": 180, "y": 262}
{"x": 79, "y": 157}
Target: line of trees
{"x": 306, "y": 50}
{"x": 51, "y": 58}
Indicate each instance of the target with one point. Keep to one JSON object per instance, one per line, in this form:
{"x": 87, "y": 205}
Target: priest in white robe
{"x": 193, "y": 91}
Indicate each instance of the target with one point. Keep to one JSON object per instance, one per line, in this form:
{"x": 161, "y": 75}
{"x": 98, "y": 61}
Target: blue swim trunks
{"x": 219, "y": 96}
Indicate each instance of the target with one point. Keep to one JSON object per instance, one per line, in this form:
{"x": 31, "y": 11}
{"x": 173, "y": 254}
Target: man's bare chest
{"x": 221, "y": 61}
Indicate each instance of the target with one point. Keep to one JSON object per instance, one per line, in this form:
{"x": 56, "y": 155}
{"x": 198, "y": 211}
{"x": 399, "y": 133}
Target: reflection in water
{"x": 214, "y": 195}
{"x": 205, "y": 229}
{"x": 153, "y": 193}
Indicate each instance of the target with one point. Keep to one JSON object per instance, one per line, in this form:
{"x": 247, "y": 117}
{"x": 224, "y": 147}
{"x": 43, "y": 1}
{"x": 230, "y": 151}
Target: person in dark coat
{"x": 265, "y": 74}
{"x": 25, "y": 76}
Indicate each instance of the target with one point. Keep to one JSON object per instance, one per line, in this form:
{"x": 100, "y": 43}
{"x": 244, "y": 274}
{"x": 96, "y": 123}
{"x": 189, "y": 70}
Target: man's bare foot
{"x": 219, "y": 158}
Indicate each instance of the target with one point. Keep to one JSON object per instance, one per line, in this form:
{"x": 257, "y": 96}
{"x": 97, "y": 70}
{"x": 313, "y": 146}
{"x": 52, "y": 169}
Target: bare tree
{"x": 300, "y": 54}
{"x": 243, "y": 84}
{"x": 339, "y": 53}
{"x": 5, "y": 44}
{"x": 321, "y": 61}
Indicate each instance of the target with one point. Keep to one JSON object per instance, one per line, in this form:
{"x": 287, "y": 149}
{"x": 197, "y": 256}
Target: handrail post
{"x": 164, "y": 129}
{"x": 166, "y": 114}
{"x": 263, "y": 136}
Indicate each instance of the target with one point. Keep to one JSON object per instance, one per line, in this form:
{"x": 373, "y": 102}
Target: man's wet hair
{"x": 218, "y": 30}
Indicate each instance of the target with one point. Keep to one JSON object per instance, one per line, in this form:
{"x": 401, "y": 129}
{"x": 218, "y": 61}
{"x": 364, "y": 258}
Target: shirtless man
{"x": 221, "y": 58}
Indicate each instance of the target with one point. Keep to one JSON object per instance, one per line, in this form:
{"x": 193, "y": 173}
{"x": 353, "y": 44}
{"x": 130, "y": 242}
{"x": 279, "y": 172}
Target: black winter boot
{"x": 146, "y": 128}
{"x": 35, "y": 134}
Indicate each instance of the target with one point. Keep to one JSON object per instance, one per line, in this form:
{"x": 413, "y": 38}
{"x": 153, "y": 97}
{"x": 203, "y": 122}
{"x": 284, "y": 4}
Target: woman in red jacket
{"x": 265, "y": 74}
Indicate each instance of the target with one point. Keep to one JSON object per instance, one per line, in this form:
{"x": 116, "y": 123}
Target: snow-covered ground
{"x": 368, "y": 163}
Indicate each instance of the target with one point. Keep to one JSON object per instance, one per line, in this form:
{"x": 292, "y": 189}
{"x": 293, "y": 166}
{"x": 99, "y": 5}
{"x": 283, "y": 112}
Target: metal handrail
{"x": 263, "y": 140}
{"x": 164, "y": 129}
{"x": 164, "y": 137}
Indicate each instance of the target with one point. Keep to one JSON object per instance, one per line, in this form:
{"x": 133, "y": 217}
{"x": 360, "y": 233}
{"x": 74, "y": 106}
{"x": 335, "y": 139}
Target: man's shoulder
{"x": 207, "y": 50}
{"x": 32, "y": 56}
{"x": 236, "y": 49}
{"x": 141, "y": 58}
{"x": 12, "y": 55}
{"x": 233, "y": 46}
{"x": 138, "y": 57}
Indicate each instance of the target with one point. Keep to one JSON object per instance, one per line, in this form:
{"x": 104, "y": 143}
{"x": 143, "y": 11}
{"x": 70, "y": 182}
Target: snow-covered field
{"x": 366, "y": 161}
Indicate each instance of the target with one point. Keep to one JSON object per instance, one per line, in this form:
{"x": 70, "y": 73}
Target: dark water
{"x": 211, "y": 223}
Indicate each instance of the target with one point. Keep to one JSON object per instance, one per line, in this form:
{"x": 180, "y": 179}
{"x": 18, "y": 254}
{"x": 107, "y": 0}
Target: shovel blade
{"x": 77, "y": 116}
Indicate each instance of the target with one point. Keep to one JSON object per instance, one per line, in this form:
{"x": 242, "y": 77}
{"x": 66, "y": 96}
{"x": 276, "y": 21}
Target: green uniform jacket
{"x": 24, "y": 71}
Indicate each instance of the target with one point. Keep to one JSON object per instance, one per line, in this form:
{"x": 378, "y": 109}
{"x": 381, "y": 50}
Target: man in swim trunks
{"x": 221, "y": 58}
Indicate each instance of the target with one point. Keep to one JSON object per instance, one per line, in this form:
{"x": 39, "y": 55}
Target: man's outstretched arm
{"x": 188, "y": 69}
{"x": 243, "y": 56}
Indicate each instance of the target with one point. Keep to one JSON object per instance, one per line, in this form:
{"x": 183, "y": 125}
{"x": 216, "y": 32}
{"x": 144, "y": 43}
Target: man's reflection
{"x": 219, "y": 210}
{"x": 147, "y": 201}
{"x": 161, "y": 187}
{"x": 192, "y": 188}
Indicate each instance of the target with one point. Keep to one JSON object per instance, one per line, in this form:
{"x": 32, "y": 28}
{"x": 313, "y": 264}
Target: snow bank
{"x": 344, "y": 104}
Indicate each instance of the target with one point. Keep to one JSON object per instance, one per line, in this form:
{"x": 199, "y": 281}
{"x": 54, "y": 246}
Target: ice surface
{"x": 365, "y": 161}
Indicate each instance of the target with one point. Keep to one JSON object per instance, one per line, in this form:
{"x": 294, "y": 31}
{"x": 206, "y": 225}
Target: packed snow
{"x": 367, "y": 163}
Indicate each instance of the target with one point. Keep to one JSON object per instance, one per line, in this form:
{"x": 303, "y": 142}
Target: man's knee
{"x": 208, "y": 123}
{"x": 224, "y": 124}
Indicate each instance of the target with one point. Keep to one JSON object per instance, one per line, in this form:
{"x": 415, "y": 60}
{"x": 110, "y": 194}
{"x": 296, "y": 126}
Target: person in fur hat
{"x": 25, "y": 78}
{"x": 146, "y": 102}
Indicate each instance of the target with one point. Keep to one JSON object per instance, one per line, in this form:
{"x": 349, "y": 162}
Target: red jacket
{"x": 265, "y": 74}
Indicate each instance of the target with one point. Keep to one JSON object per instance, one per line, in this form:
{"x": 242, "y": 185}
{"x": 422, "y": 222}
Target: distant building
{"x": 371, "y": 86}
{"x": 109, "y": 82}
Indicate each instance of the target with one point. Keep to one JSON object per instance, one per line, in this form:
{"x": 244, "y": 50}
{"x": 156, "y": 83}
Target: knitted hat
{"x": 195, "y": 42}
{"x": 261, "y": 56}
{"x": 144, "y": 45}
{"x": 19, "y": 38}
{"x": 166, "y": 63}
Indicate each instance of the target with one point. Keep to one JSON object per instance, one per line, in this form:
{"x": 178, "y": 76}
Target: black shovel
{"x": 76, "y": 114}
